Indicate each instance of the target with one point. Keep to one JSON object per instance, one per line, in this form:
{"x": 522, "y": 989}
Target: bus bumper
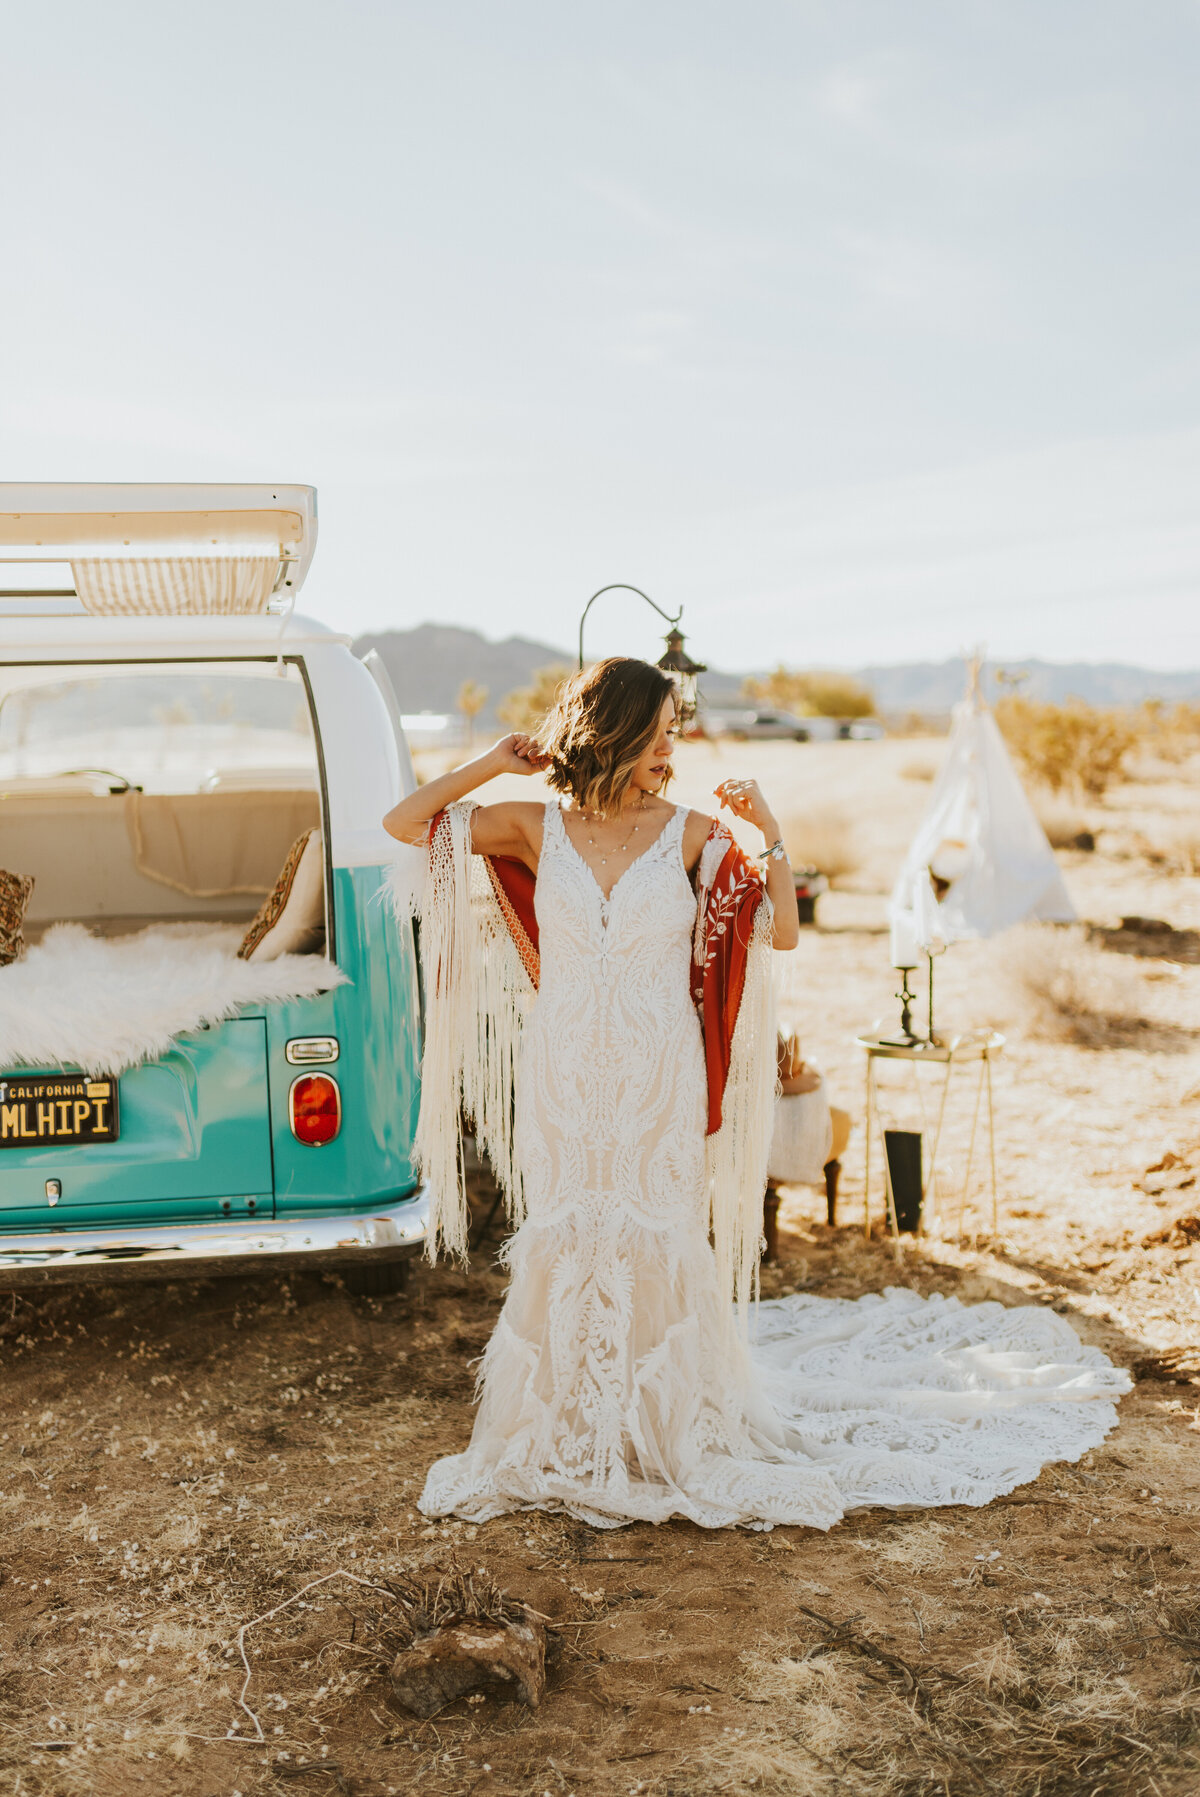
{"x": 208, "y": 1250}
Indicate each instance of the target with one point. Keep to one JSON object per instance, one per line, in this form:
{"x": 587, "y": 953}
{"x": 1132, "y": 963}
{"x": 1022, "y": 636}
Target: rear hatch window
{"x": 160, "y": 798}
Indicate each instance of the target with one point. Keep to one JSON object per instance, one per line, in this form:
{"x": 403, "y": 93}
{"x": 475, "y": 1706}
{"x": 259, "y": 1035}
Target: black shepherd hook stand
{"x": 621, "y": 586}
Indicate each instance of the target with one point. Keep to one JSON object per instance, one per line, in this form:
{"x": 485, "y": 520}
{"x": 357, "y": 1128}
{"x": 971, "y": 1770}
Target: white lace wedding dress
{"x": 614, "y": 1387}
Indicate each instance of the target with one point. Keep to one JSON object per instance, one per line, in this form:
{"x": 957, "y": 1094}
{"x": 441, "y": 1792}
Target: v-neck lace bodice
{"x": 612, "y": 1063}
{"x": 677, "y": 817}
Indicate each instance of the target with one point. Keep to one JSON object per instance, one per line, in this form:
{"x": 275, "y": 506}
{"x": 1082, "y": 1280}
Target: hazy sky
{"x": 865, "y": 331}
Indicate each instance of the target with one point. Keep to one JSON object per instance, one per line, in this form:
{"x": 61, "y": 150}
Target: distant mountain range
{"x": 428, "y": 665}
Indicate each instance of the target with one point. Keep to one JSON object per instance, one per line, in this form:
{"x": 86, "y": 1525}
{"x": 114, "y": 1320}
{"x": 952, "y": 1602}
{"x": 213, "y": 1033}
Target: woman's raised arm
{"x": 495, "y": 829}
{"x": 745, "y": 799}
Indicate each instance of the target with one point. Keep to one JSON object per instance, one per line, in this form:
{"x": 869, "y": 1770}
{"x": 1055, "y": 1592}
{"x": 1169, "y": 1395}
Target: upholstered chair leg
{"x": 832, "y": 1170}
{"x": 771, "y": 1220}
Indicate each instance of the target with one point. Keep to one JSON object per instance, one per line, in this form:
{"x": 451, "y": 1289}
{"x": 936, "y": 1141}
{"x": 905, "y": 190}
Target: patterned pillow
{"x": 15, "y": 890}
{"x": 291, "y": 920}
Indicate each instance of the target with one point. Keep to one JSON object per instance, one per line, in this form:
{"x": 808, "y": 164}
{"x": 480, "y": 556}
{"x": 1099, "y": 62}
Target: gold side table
{"x": 981, "y": 1046}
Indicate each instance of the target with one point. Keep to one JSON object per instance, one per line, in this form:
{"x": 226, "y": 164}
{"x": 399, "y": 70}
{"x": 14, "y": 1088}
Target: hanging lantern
{"x": 678, "y": 662}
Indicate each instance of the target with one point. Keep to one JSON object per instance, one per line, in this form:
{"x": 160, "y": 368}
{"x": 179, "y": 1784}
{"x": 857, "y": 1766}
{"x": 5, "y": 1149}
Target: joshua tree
{"x": 471, "y": 700}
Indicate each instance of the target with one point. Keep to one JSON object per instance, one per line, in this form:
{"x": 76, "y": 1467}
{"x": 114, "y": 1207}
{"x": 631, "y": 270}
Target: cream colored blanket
{"x": 104, "y": 1004}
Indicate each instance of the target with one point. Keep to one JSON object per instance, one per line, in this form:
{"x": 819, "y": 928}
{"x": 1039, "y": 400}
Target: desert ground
{"x": 191, "y": 1471}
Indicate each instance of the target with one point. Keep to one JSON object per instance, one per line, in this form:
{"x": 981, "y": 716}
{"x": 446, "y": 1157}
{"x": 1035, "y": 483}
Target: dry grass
{"x": 1066, "y": 824}
{"x": 1072, "y": 991}
{"x": 1059, "y": 1699}
{"x": 1042, "y": 1642}
{"x": 917, "y": 1546}
{"x": 919, "y": 767}
{"x": 824, "y": 839}
{"x": 1175, "y": 847}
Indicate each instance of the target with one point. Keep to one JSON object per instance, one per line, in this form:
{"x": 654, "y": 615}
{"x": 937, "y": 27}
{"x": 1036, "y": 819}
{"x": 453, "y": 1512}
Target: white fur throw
{"x": 106, "y": 1003}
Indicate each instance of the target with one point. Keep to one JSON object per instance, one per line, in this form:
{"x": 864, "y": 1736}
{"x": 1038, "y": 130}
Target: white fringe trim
{"x": 476, "y": 995}
{"x": 737, "y": 1154}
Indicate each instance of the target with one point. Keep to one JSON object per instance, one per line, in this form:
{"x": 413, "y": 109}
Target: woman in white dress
{"x": 618, "y": 1384}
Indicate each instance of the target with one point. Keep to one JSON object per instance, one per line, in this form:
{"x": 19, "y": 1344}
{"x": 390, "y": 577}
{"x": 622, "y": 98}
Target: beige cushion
{"x": 292, "y": 920}
{"x": 14, "y": 898}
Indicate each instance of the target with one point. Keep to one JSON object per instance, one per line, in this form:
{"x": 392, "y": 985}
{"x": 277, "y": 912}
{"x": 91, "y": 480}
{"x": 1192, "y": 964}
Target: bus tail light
{"x": 315, "y": 1109}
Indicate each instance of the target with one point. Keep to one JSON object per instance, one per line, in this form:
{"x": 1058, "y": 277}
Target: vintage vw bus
{"x": 210, "y": 1047}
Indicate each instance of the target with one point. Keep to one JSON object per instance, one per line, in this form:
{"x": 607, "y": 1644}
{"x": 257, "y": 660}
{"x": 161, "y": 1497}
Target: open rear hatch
{"x": 170, "y": 550}
{"x": 147, "y": 788}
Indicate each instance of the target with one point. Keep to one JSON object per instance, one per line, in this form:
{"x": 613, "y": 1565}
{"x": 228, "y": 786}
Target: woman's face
{"x": 654, "y": 763}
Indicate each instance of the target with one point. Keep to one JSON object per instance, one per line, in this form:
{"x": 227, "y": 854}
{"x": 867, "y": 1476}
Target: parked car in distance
{"x": 759, "y": 724}
{"x": 756, "y": 724}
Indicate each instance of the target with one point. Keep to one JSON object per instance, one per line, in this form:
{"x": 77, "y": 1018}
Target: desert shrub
{"x": 527, "y": 707}
{"x": 1074, "y": 747}
{"x": 917, "y": 723}
{"x": 822, "y": 839}
{"x": 814, "y": 694}
{"x": 1171, "y": 732}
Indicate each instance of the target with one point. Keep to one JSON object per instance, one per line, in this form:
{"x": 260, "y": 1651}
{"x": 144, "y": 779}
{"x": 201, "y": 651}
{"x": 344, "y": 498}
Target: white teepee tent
{"x": 988, "y": 853}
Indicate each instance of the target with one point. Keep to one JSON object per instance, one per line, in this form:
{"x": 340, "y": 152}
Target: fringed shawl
{"x": 479, "y": 954}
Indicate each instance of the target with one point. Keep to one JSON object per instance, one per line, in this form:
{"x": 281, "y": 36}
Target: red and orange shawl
{"x": 479, "y": 949}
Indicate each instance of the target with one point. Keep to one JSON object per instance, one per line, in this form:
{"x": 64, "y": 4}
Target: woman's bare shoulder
{"x": 512, "y": 827}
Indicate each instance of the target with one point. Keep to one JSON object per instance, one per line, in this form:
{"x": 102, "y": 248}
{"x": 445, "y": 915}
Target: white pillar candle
{"x": 905, "y": 952}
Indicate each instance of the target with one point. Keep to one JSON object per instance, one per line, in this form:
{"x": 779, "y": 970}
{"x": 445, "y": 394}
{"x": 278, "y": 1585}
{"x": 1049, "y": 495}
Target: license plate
{"x": 40, "y": 1109}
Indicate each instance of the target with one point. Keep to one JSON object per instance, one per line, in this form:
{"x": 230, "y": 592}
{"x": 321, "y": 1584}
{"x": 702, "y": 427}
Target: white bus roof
{"x": 55, "y": 637}
{"x": 168, "y": 549}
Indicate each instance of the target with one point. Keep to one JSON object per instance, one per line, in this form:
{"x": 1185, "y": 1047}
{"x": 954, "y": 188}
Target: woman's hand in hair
{"x": 409, "y": 821}
{"x": 518, "y": 754}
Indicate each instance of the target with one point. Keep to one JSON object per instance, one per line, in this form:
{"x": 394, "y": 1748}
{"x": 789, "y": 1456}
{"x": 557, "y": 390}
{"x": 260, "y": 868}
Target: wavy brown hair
{"x": 603, "y": 720}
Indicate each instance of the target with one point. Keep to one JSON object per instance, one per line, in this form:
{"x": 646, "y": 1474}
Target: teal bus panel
{"x": 205, "y": 1129}
{"x": 194, "y": 1133}
{"x": 376, "y": 1019}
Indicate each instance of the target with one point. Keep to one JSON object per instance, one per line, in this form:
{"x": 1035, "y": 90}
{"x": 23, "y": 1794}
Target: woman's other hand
{"x": 745, "y": 799}
{"x": 518, "y": 754}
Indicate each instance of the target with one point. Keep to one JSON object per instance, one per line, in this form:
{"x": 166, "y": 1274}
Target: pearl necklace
{"x": 621, "y": 846}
